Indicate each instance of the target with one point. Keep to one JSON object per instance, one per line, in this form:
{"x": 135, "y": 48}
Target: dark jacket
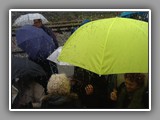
{"x": 51, "y": 34}
{"x": 131, "y": 100}
{"x": 61, "y": 102}
{"x": 99, "y": 97}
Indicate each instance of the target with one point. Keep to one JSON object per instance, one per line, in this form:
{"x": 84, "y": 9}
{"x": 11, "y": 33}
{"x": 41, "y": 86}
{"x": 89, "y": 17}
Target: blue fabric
{"x": 128, "y": 14}
{"x": 143, "y": 15}
{"x": 83, "y": 22}
{"x": 35, "y": 42}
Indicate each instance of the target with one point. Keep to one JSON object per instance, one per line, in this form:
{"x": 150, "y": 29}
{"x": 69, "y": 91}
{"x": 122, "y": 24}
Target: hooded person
{"x": 59, "y": 95}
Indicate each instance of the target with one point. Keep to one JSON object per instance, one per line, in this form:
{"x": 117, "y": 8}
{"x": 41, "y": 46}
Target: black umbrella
{"x": 23, "y": 67}
{"x": 26, "y": 72}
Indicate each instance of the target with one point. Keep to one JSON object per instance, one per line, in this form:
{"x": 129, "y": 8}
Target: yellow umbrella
{"x": 109, "y": 46}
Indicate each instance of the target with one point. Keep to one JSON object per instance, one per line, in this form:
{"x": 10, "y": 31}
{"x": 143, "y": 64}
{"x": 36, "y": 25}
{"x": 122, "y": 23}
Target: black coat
{"x": 100, "y": 85}
{"x": 136, "y": 100}
{"x": 60, "y": 102}
{"x": 51, "y": 34}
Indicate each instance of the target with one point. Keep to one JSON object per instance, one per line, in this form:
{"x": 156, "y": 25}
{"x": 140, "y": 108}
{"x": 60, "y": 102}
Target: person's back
{"x": 61, "y": 101}
{"x": 59, "y": 94}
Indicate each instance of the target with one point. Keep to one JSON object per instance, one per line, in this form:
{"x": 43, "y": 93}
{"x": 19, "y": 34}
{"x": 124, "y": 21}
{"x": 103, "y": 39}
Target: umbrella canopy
{"x": 23, "y": 67}
{"x": 27, "y": 19}
{"x": 54, "y": 57}
{"x": 35, "y": 42}
{"x": 109, "y": 46}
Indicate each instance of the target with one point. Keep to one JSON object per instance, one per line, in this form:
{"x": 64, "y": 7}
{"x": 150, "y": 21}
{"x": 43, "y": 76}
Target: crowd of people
{"x": 85, "y": 89}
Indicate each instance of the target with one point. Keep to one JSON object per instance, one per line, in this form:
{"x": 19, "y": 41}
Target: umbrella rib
{"x": 106, "y": 40}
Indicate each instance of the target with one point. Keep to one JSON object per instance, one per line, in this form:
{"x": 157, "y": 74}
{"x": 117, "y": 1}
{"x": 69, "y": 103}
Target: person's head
{"x": 37, "y": 23}
{"x": 58, "y": 84}
{"x": 133, "y": 81}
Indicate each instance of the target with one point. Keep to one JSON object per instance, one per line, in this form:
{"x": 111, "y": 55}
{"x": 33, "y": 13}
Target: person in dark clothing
{"x": 145, "y": 97}
{"x": 130, "y": 93}
{"x": 48, "y": 66}
{"x": 59, "y": 94}
{"x": 60, "y": 102}
{"x": 38, "y": 23}
{"x": 24, "y": 73}
{"x": 92, "y": 89}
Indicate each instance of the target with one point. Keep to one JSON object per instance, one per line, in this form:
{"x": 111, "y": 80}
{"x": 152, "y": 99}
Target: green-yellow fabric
{"x": 109, "y": 46}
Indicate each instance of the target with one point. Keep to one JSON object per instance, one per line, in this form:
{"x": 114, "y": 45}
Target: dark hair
{"x": 139, "y": 78}
{"x": 40, "y": 20}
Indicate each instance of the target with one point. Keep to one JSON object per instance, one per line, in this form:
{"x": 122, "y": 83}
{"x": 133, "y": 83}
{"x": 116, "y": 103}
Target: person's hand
{"x": 114, "y": 95}
{"x": 89, "y": 89}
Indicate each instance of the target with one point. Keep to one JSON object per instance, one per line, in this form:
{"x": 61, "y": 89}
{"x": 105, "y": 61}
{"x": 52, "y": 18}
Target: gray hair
{"x": 58, "y": 84}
